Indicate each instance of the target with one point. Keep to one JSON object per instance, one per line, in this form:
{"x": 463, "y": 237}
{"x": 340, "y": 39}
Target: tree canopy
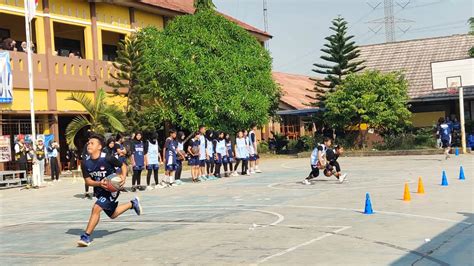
{"x": 209, "y": 71}
{"x": 375, "y": 98}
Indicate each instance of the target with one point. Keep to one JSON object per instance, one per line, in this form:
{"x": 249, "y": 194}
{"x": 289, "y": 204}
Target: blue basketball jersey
{"x": 99, "y": 169}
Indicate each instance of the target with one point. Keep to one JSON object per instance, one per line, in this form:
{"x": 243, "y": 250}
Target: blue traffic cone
{"x": 444, "y": 182}
{"x": 368, "y": 205}
{"x": 456, "y": 151}
{"x": 461, "y": 174}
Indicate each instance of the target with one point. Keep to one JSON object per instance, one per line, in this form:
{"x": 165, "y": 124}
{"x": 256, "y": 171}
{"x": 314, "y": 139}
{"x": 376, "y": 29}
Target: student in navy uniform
{"x": 229, "y": 158}
{"x": 253, "y": 145}
{"x": 193, "y": 151}
{"x": 444, "y": 132}
{"x": 110, "y": 148}
{"x": 95, "y": 170}
{"x": 170, "y": 156}
{"x": 318, "y": 160}
{"x": 181, "y": 157}
{"x": 121, "y": 150}
{"x": 209, "y": 152}
{"x": 332, "y": 165}
{"x": 138, "y": 160}
{"x": 219, "y": 152}
{"x": 202, "y": 152}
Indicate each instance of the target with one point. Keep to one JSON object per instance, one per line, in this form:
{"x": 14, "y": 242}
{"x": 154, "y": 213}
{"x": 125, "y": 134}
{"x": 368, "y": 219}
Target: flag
{"x": 32, "y": 5}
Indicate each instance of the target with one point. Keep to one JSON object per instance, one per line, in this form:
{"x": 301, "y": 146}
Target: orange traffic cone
{"x": 421, "y": 188}
{"x": 406, "y": 193}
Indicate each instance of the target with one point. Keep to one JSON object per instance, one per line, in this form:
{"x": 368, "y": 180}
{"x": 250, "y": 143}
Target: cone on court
{"x": 444, "y": 181}
{"x": 456, "y": 151}
{"x": 368, "y": 205}
{"x": 421, "y": 188}
{"x": 461, "y": 174}
{"x": 406, "y": 193}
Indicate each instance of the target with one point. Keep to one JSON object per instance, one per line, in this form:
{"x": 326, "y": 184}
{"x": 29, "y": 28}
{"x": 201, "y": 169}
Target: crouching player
{"x": 318, "y": 160}
{"x": 95, "y": 169}
{"x": 332, "y": 166}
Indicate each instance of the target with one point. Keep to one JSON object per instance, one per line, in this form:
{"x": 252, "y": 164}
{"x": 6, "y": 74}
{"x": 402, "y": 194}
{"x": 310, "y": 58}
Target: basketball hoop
{"x": 453, "y": 86}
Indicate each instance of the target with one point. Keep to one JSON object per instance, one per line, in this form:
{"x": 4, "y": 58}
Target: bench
{"x": 10, "y": 179}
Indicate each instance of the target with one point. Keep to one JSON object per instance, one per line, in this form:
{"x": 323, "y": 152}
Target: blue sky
{"x": 300, "y": 26}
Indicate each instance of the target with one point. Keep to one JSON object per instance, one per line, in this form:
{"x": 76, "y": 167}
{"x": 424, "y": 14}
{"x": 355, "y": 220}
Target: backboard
{"x": 452, "y": 74}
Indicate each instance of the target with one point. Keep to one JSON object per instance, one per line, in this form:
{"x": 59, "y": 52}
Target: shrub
{"x": 263, "y": 147}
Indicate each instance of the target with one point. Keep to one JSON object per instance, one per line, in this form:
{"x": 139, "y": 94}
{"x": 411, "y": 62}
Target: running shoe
{"x": 342, "y": 178}
{"x": 85, "y": 241}
{"x": 136, "y": 205}
{"x": 306, "y": 182}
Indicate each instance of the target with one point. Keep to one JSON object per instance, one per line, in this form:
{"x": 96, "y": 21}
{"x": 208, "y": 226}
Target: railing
{"x": 64, "y": 73}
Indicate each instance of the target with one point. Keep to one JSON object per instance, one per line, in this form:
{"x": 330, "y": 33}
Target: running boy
{"x": 331, "y": 156}
{"x": 95, "y": 169}
{"x": 318, "y": 160}
{"x": 444, "y": 132}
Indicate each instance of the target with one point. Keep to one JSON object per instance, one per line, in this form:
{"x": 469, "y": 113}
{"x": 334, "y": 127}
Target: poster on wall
{"x": 6, "y": 78}
{"x": 5, "y": 149}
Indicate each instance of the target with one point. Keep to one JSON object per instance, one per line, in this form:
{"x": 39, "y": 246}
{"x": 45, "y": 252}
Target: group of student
{"x": 207, "y": 153}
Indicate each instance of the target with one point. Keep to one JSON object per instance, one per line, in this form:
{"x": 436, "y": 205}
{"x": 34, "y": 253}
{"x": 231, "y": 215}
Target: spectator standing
{"x": 53, "y": 153}
{"x": 21, "y": 151}
{"x": 39, "y": 158}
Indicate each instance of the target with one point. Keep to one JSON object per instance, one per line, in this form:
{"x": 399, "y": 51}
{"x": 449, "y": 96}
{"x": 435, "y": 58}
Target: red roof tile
{"x": 187, "y": 7}
{"x": 414, "y": 58}
{"x": 294, "y": 89}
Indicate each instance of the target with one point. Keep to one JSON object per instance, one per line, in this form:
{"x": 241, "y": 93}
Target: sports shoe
{"x": 248, "y": 173}
{"x": 257, "y": 170}
{"x": 201, "y": 178}
{"x": 148, "y": 188}
{"x": 342, "y": 178}
{"x": 178, "y": 182}
{"x": 85, "y": 241}
{"x": 136, "y": 205}
{"x": 252, "y": 172}
{"x": 306, "y": 182}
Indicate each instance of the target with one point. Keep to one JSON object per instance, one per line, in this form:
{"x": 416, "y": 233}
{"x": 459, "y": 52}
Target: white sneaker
{"x": 306, "y": 182}
{"x": 342, "y": 178}
{"x": 252, "y": 171}
{"x": 160, "y": 186}
{"x": 235, "y": 174}
{"x": 258, "y": 170}
{"x": 148, "y": 188}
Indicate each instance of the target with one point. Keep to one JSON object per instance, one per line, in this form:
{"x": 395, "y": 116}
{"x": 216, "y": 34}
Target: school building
{"x": 418, "y": 60}
{"x": 89, "y": 29}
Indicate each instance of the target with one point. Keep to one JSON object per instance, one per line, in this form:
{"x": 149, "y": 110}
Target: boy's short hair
{"x": 172, "y": 131}
{"x": 201, "y": 127}
{"x": 98, "y": 137}
{"x": 338, "y": 147}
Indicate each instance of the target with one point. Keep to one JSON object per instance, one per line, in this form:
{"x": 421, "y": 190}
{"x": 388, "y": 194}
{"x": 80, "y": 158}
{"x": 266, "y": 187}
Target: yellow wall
{"x": 116, "y": 100}
{"x": 66, "y": 105}
{"x": 20, "y": 4}
{"x": 426, "y": 119}
{"x": 77, "y": 9}
{"x": 143, "y": 19}
{"x": 21, "y": 100}
{"x": 113, "y": 15}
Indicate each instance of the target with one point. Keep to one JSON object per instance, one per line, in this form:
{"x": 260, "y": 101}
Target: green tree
{"x": 210, "y": 71}
{"x": 341, "y": 53}
{"x": 129, "y": 76}
{"x": 471, "y": 31}
{"x": 100, "y": 117}
{"x": 203, "y": 5}
{"x": 375, "y": 98}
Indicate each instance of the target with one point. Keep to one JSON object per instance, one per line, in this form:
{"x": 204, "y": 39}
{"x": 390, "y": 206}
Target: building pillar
{"x": 48, "y": 43}
{"x": 95, "y": 43}
{"x": 133, "y": 23}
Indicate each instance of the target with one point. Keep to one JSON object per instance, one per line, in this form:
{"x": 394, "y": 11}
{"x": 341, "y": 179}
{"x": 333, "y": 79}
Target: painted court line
{"x": 303, "y": 244}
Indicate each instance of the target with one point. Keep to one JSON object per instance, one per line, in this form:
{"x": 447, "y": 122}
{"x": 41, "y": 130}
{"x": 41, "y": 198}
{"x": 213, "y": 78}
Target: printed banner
{"x": 6, "y": 79}
{"x": 5, "y": 149}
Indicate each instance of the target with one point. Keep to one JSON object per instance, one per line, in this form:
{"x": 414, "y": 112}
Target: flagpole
{"x": 34, "y": 180}
{"x": 30, "y": 72}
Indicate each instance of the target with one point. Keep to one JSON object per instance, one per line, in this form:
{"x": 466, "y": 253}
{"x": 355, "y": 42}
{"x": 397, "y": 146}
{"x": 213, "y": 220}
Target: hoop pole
{"x": 461, "y": 115}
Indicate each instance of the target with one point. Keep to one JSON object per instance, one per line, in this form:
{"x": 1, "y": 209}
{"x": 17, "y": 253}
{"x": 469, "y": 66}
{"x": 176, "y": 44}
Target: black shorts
{"x": 107, "y": 204}
{"x": 314, "y": 171}
{"x": 445, "y": 143}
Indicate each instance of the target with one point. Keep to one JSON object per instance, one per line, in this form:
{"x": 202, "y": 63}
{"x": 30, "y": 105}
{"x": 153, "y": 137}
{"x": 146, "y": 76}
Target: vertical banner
{"x": 6, "y": 82}
{"x": 5, "y": 149}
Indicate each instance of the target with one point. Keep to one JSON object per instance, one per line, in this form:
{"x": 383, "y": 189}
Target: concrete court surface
{"x": 269, "y": 218}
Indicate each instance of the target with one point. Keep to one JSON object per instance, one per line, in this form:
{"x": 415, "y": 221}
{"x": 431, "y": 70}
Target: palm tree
{"x": 100, "y": 116}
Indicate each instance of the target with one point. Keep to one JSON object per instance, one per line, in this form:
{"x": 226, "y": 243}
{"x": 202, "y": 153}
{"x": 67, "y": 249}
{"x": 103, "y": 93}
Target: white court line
{"x": 274, "y": 186}
{"x": 280, "y": 218}
{"x": 303, "y": 244}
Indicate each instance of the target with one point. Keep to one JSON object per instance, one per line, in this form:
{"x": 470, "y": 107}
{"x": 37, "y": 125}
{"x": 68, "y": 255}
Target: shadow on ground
{"x": 97, "y": 233}
{"x": 451, "y": 247}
